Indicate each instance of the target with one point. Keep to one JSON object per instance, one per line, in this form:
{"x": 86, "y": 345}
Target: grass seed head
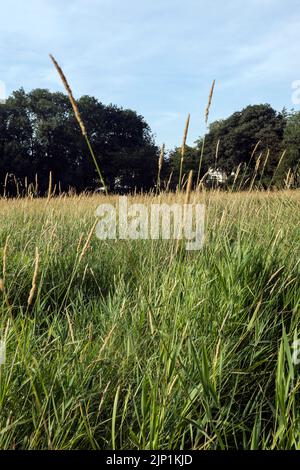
{"x": 70, "y": 95}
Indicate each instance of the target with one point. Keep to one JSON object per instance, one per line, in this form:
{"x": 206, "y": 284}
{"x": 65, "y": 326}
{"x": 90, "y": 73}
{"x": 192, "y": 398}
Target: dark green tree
{"x": 291, "y": 144}
{"x": 230, "y": 143}
{"x": 190, "y": 162}
{"x": 236, "y": 137}
{"x": 39, "y": 135}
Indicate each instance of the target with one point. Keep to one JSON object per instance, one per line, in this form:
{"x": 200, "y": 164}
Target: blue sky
{"x": 157, "y": 57}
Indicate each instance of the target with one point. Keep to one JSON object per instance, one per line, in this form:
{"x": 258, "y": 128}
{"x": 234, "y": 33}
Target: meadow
{"x": 139, "y": 345}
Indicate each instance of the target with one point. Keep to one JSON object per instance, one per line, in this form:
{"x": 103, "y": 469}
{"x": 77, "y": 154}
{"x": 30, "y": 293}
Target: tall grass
{"x": 185, "y": 134}
{"x": 78, "y": 118}
{"x": 207, "y": 110}
{"x": 119, "y": 348}
{"x": 142, "y": 345}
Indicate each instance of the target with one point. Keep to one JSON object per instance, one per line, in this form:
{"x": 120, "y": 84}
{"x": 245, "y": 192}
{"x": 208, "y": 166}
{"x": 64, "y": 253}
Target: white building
{"x": 215, "y": 174}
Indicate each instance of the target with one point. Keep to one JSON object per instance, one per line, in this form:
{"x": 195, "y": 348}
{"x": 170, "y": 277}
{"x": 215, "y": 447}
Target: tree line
{"x": 39, "y": 136}
{"x": 257, "y": 142}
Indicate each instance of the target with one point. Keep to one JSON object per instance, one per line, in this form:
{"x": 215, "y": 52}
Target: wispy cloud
{"x": 158, "y": 57}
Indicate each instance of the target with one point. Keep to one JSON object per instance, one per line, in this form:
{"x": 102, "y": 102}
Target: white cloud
{"x": 158, "y": 57}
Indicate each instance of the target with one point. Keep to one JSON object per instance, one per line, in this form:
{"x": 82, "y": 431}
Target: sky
{"x": 157, "y": 57}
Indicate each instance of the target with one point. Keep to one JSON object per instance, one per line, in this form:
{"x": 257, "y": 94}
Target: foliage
{"x": 253, "y": 141}
{"x": 39, "y": 135}
{"x": 135, "y": 346}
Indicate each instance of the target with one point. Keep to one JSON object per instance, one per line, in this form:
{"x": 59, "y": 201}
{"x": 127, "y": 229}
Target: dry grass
{"x": 133, "y": 344}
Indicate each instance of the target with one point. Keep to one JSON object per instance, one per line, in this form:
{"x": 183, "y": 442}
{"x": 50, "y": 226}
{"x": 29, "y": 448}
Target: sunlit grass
{"x": 132, "y": 345}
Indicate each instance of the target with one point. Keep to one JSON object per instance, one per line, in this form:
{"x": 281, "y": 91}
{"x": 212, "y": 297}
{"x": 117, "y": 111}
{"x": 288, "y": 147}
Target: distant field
{"x": 136, "y": 345}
